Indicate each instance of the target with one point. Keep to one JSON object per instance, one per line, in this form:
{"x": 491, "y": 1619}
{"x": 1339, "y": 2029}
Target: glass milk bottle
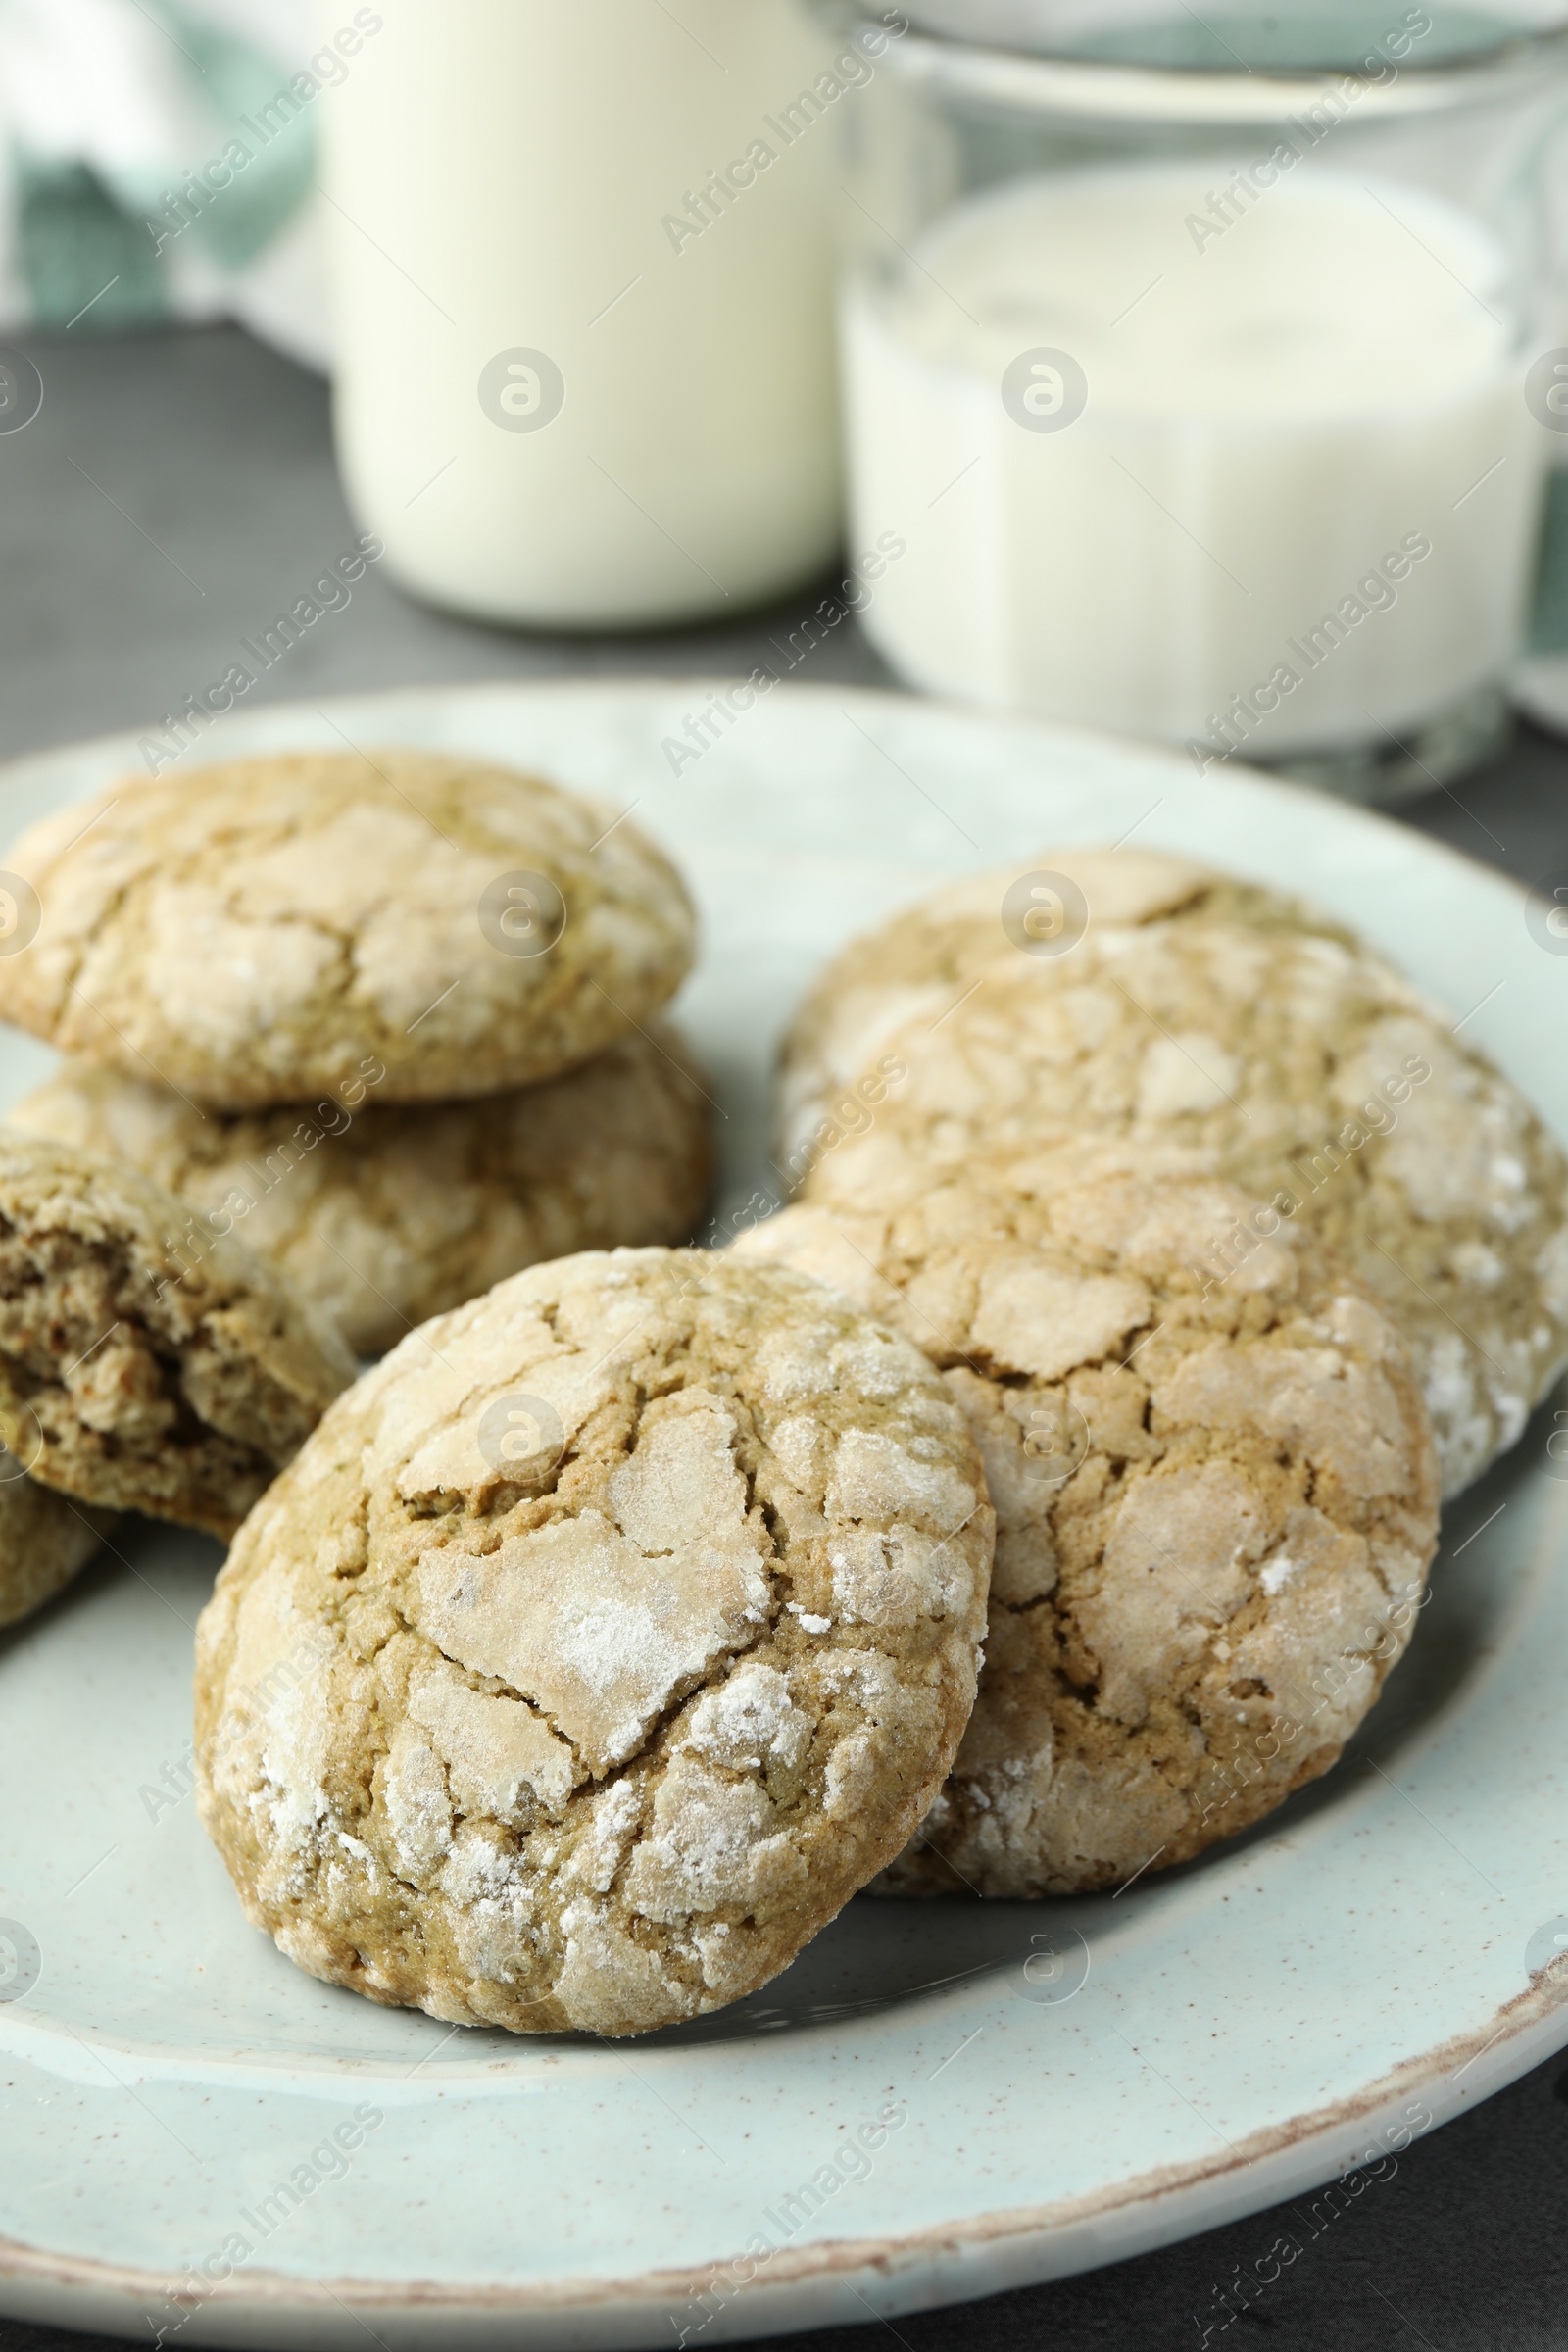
{"x": 582, "y": 284}
{"x": 1199, "y": 364}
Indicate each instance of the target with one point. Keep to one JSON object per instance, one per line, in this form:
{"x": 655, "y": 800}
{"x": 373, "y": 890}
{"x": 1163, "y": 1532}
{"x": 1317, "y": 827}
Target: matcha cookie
{"x": 387, "y": 1214}
{"x": 267, "y": 931}
{"x": 147, "y": 1369}
{"x": 646, "y": 1593}
{"x": 45, "y": 1540}
{"x": 915, "y": 965}
{"x": 1216, "y": 1506}
{"x": 1307, "y": 1072}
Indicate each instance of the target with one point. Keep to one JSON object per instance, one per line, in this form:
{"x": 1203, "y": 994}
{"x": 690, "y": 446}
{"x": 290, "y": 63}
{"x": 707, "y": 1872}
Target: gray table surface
{"x": 173, "y": 493}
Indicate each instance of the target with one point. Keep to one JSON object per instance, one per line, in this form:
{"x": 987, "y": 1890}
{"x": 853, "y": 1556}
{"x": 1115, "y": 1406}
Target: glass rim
{"x": 1524, "y": 61}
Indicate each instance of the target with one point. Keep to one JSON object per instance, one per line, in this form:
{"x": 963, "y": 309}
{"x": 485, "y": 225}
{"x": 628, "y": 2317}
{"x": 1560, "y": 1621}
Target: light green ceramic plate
{"x": 937, "y": 2100}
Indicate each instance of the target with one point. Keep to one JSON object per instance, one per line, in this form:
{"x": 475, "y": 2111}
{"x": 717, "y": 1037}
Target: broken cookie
{"x": 146, "y": 1364}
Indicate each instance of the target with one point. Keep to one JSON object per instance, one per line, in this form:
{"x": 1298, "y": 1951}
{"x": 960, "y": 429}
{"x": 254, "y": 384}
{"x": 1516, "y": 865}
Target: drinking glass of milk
{"x": 1204, "y": 360}
{"x": 583, "y": 283}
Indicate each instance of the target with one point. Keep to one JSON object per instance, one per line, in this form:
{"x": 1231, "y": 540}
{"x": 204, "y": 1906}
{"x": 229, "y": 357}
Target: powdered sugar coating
{"x": 1307, "y": 1072}
{"x": 252, "y": 934}
{"x": 911, "y": 968}
{"x": 1193, "y": 1606}
{"x": 572, "y": 1754}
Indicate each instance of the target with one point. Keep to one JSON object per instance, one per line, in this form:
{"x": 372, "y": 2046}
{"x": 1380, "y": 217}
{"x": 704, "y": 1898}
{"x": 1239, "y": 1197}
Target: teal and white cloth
{"x": 157, "y": 161}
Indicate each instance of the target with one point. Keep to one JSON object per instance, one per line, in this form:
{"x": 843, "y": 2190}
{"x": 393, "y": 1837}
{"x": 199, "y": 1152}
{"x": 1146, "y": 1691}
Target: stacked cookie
{"x": 394, "y": 1021}
{"x": 642, "y": 1597}
{"x": 1213, "y": 1224}
{"x": 1215, "y": 1508}
{"x": 1178, "y": 1011}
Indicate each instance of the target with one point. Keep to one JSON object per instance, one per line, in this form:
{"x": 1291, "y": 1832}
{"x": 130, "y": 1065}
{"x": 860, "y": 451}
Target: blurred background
{"x": 993, "y": 350}
{"x": 591, "y": 392}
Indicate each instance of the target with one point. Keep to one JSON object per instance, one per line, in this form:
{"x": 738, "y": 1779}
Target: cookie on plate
{"x": 149, "y": 1366}
{"x": 1215, "y": 1496}
{"x": 913, "y": 965}
{"x": 647, "y": 1593}
{"x": 1309, "y": 1073}
{"x": 45, "y": 1540}
{"x": 270, "y": 930}
{"x": 387, "y": 1214}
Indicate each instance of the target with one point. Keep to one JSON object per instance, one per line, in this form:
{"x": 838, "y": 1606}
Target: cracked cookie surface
{"x": 250, "y": 934}
{"x": 1309, "y": 1073}
{"x": 386, "y": 1214}
{"x": 152, "y": 1371}
{"x": 596, "y": 1734}
{"x": 45, "y": 1542}
{"x": 913, "y": 965}
{"x": 1215, "y": 1505}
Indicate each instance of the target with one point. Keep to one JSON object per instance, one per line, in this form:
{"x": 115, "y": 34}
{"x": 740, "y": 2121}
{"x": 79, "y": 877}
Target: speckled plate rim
{"x": 970, "y": 2253}
{"x": 953, "y": 2262}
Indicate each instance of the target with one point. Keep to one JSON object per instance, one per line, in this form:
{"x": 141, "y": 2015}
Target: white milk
{"x": 1281, "y": 416}
{"x": 504, "y": 176}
